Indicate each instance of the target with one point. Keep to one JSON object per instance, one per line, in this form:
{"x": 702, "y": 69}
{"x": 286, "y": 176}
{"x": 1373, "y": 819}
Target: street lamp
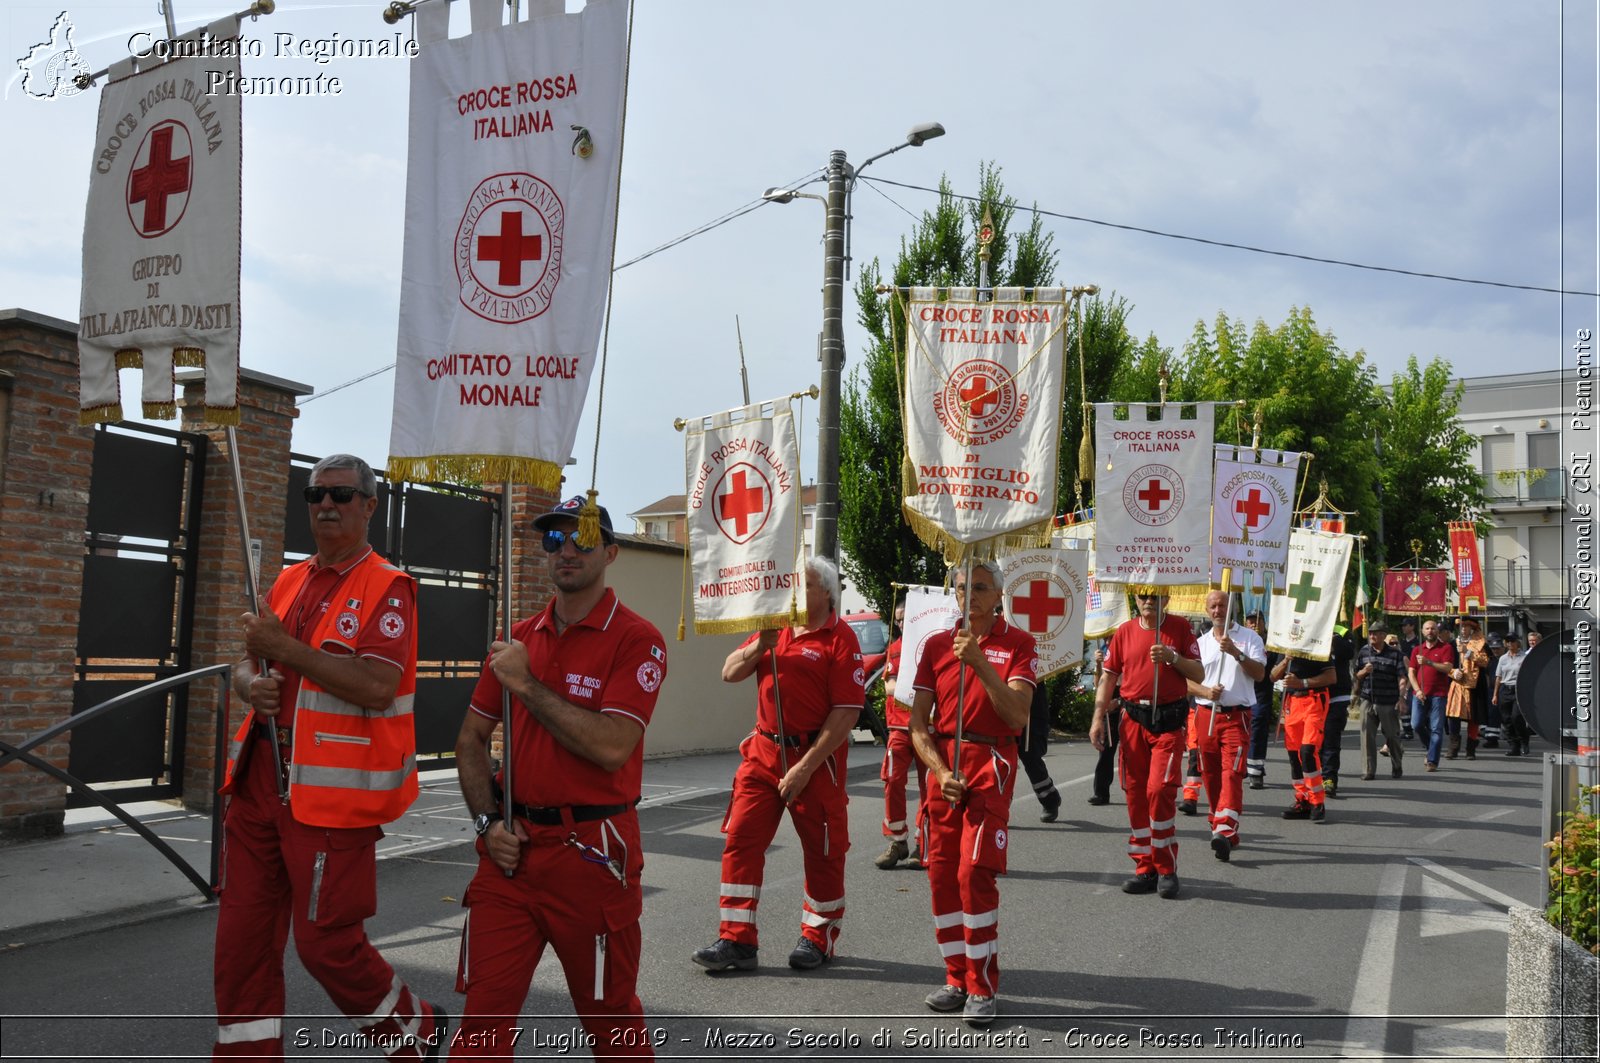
{"x": 835, "y": 256}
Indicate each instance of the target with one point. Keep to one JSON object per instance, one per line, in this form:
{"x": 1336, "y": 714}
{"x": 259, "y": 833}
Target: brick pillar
{"x": 266, "y": 417}
{"x": 44, "y": 506}
{"x": 530, "y": 571}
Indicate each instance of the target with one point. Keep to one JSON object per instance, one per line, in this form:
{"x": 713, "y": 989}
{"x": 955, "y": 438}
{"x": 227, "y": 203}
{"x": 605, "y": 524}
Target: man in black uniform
{"x": 1340, "y": 654}
{"x": 1262, "y": 716}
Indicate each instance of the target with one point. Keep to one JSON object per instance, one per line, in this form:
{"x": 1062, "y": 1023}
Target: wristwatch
{"x": 484, "y": 820}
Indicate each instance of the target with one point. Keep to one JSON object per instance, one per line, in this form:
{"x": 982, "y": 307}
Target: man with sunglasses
{"x": 584, "y": 674}
{"x": 326, "y": 755}
{"x": 1152, "y": 657}
{"x": 975, "y": 681}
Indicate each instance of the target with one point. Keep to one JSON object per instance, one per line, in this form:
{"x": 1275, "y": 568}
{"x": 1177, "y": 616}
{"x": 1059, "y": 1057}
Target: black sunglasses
{"x": 341, "y": 494}
{"x": 554, "y": 538}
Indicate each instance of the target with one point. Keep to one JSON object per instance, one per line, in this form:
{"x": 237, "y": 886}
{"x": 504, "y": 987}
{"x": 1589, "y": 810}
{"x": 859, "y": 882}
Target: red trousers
{"x": 1223, "y": 739}
{"x": 754, "y": 812}
{"x": 1193, "y": 777}
{"x": 564, "y": 896}
{"x": 279, "y": 874}
{"x": 898, "y": 759}
{"x": 964, "y": 848}
{"x": 1305, "y": 713}
{"x": 1150, "y": 767}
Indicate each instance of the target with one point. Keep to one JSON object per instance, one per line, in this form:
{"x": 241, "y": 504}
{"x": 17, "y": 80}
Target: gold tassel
{"x": 682, "y": 630}
{"x": 1085, "y": 458}
{"x": 589, "y": 522}
{"x": 908, "y": 475}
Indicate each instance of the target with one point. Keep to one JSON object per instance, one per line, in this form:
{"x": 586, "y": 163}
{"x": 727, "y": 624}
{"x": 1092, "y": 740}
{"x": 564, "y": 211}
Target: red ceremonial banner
{"x": 1464, "y": 559}
{"x": 1415, "y": 591}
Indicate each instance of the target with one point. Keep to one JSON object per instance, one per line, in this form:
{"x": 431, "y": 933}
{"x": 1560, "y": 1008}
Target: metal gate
{"x": 448, "y": 538}
{"x": 137, "y": 609}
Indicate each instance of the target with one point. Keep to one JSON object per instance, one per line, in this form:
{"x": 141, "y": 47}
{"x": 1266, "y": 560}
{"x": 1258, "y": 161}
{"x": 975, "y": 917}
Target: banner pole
{"x": 961, "y": 667}
{"x": 1227, "y": 622}
{"x": 508, "y": 803}
{"x": 1155, "y": 666}
{"x": 254, "y": 594}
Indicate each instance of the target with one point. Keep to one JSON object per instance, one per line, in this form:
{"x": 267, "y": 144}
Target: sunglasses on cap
{"x": 555, "y": 537}
{"x": 341, "y": 494}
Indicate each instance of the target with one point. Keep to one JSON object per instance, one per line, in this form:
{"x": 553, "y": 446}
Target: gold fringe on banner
{"x": 477, "y": 468}
{"x": 160, "y": 411}
{"x": 110, "y": 413}
{"x": 223, "y": 415}
{"x": 189, "y": 357}
{"x": 935, "y": 538}
{"x": 1170, "y": 590}
{"x": 129, "y": 358}
{"x": 743, "y": 624}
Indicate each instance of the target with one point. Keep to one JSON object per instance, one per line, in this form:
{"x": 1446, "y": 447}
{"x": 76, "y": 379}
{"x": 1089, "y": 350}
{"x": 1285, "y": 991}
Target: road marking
{"x": 1461, "y": 880}
{"x": 1370, "y": 1005}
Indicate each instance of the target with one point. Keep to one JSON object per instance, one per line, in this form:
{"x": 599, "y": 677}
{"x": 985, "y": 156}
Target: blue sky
{"x": 1427, "y": 136}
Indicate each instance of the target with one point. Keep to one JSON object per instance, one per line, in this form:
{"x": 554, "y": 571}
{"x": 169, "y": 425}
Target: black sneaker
{"x": 726, "y": 955}
{"x": 1051, "y": 809}
{"x": 807, "y": 956}
{"x": 1099, "y": 799}
{"x": 1258, "y": 782}
{"x": 1318, "y": 813}
{"x": 1298, "y": 810}
{"x": 1145, "y": 883}
{"x": 1222, "y": 847}
{"x": 1169, "y": 886}
{"x": 1188, "y": 807}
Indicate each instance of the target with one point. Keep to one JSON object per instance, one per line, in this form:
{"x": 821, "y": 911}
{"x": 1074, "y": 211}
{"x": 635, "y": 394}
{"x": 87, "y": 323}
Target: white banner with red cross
{"x": 161, "y": 232}
{"x": 1044, "y": 595}
{"x": 983, "y": 418}
{"x": 508, "y": 241}
{"x": 928, "y": 610}
{"x": 1152, "y": 493}
{"x": 1252, "y": 510}
{"x": 746, "y": 550}
{"x": 1304, "y": 612}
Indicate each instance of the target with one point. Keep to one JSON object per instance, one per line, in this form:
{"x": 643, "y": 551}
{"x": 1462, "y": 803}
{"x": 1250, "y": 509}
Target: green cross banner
{"x": 1304, "y": 612}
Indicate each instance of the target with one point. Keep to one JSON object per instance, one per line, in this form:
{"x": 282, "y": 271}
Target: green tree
{"x": 879, "y": 548}
{"x": 1427, "y": 472}
{"x": 1107, "y": 347}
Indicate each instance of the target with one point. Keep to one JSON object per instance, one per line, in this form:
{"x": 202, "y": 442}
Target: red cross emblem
{"x": 979, "y": 396}
{"x": 1254, "y": 507}
{"x": 166, "y": 173}
{"x": 979, "y": 403}
{"x": 1038, "y": 607}
{"x": 510, "y": 249}
{"x": 744, "y": 502}
{"x": 1153, "y": 495}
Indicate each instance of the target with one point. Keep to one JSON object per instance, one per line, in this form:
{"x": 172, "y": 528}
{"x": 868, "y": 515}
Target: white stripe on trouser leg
{"x": 813, "y": 919}
{"x": 897, "y": 825}
{"x": 739, "y": 889}
{"x": 951, "y": 948}
{"x": 982, "y": 948}
{"x": 1164, "y": 824}
{"x": 233, "y": 1033}
{"x": 947, "y": 920}
{"x": 1162, "y": 843}
{"x": 1228, "y": 813}
{"x": 599, "y": 967}
{"x": 981, "y": 919}
{"x": 823, "y": 906}
{"x": 385, "y": 1009}
{"x": 1138, "y": 850}
{"x": 737, "y": 915}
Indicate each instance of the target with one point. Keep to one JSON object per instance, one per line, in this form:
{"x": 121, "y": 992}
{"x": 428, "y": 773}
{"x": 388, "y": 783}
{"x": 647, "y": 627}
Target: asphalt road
{"x": 1378, "y": 934}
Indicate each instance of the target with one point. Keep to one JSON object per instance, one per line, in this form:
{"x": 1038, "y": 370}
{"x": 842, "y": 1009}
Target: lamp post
{"x": 835, "y": 263}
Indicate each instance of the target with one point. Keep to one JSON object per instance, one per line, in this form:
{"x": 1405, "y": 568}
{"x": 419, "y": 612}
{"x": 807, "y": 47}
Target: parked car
{"x": 873, "y": 635}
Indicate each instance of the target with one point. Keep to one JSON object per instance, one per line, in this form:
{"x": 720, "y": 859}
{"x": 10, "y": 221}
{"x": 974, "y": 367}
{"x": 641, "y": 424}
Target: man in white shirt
{"x": 1233, "y": 657}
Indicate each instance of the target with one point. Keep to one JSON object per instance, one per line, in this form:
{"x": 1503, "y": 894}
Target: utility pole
{"x": 825, "y": 533}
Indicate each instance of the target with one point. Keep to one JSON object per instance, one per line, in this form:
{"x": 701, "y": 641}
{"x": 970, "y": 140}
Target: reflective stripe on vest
{"x": 351, "y": 778}
{"x": 322, "y": 701}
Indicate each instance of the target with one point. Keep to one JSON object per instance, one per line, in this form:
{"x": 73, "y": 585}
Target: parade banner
{"x": 1415, "y": 591}
{"x": 1105, "y": 609}
{"x": 983, "y": 418}
{"x": 508, "y": 241}
{"x": 1153, "y": 494}
{"x": 1044, "y": 596}
{"x": 1468, "y": 568}
{"x": 1080, "y": 534}
{"x": 928, "y": 610}
{"x": 746, "y": 547}
{"x": 161, "y": 232}
{"x": 1252, "y": 510}
{"x": 1302, "y": 618}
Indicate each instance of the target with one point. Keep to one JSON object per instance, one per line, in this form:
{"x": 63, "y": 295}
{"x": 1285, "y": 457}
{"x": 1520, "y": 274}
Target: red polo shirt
{"x": 817, "y": 672}
{"x": 1011, "y": 651}
{"x": 613, "y": 660}
{"x": 895, "y": 713}
{"x": 1128, "y": 655}
{"x": 1432, "y": 683}
{"x": 318, "y": 594}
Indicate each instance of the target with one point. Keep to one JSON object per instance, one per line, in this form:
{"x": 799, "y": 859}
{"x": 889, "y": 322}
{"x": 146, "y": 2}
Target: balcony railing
{"x": 1512, "y": 582}
{"x": 1522, "y": 487}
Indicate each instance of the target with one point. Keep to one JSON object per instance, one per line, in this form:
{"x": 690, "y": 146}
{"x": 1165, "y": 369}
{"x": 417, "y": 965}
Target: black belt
{"x": 1160, "y": 719}
{"x": 551, "y": 815}
{"x": 787, "y": 740}
{"x": 980, "y": 739}
{"x": 1224, "y": 708}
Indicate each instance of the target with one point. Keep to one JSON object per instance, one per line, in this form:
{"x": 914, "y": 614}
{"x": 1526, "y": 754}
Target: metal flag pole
{"x": 1155, "y": 666}
{"x": 961, "y": 666}
{"x": 507, "y": 803}
{"x": 254, "y": 594}
{"x": 1227, "y": 622}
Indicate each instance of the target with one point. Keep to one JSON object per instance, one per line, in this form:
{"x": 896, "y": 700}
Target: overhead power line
{"x": 1251, "y": 248}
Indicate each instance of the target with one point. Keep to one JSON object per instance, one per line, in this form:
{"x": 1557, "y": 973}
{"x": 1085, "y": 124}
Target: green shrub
{"x": 1574, "y": 873}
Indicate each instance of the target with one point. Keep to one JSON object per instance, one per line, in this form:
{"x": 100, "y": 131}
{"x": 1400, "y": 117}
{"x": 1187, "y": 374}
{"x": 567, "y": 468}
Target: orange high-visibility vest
{"x": 350, "y": 767}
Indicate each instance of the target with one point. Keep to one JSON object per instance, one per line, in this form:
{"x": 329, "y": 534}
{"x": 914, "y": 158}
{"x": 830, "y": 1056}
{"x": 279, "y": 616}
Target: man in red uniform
{"x": 584, "y": 674}
{"x": 898, "y": 758}
{"x": 1151, "y": 658}
{"x": 330, "y": 721}
{"x": 1233, "y": 658}
{"x": 975, "y": 680}
{"x": 797, "y": 764}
